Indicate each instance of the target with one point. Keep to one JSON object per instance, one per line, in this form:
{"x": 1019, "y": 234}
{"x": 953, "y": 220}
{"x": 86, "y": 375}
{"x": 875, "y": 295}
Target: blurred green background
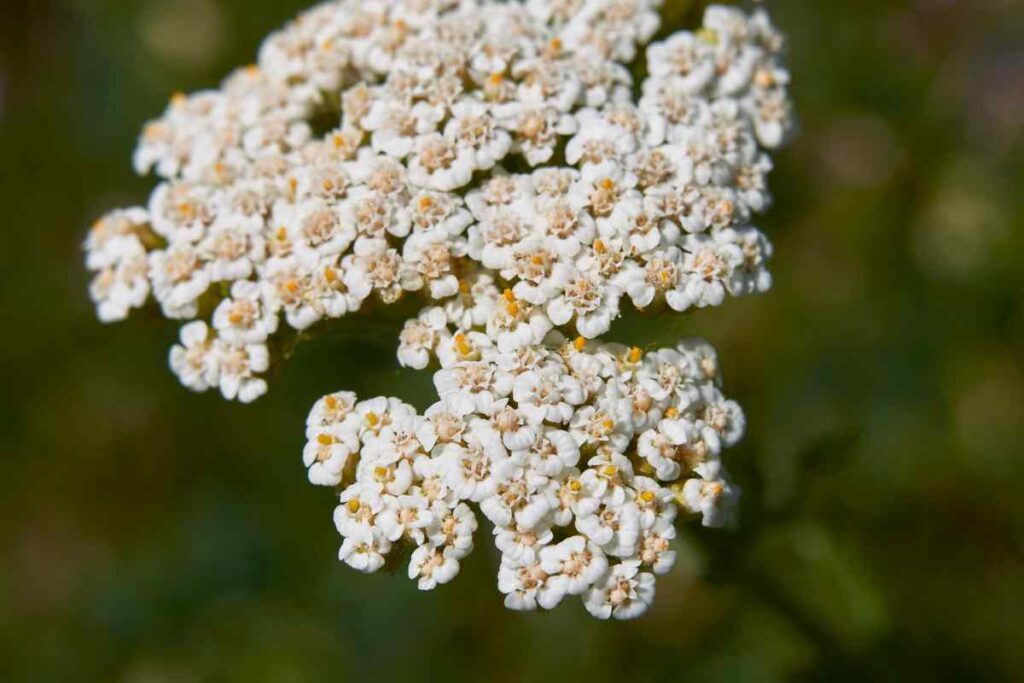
{"x": 149, "y": 534}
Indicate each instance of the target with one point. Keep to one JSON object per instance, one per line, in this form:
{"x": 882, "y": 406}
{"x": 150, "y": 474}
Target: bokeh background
{"x": 148, "y": 534}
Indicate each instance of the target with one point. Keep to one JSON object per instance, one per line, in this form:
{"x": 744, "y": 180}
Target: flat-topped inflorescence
{"x": 499, "y": 162}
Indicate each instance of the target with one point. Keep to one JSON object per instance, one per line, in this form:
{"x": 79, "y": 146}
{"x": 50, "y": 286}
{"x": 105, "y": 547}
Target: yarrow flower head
{"x": 488, "y": 159}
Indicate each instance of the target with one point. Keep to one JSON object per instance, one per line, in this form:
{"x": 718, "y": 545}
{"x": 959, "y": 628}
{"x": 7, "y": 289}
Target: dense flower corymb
{"x": 581, "y": 475}
{"x": 497, "y": 161}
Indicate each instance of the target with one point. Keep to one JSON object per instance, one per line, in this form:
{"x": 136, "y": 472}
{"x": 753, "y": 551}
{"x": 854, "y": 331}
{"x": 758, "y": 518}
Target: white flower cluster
{"x": 416, "y": 189}
{"x": 577, "y": 452}
{"x": 498, "y": 161}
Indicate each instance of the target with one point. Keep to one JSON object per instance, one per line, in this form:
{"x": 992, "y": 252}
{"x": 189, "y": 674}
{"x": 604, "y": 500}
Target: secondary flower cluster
{"x": 569, "y": 448}
{"x": 498, "y": 161}
{"x": 420, "y": 183}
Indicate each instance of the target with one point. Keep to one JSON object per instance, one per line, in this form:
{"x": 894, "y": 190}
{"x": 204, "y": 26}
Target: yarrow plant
{"x": 501, "y": 162}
